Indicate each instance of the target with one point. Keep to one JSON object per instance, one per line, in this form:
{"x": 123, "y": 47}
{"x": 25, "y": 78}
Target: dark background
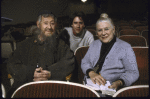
{"x": 24, "y": 11}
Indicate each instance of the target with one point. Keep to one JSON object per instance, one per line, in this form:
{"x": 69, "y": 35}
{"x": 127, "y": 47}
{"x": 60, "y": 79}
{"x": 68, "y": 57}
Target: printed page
{"x": 92, "y": 85}
{"x": 104, "y": 89}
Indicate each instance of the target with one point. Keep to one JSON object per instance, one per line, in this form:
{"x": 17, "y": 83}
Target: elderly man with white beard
{"x": 46, "y": 50}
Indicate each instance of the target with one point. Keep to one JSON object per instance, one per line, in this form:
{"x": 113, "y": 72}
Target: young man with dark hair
{"x": 78, "y": 35}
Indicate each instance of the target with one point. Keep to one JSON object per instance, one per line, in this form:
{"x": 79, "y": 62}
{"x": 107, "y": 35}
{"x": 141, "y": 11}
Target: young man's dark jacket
{"x": 53, "y": 55}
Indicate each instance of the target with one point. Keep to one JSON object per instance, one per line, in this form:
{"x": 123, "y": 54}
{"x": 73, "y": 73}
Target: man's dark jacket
{"x": 53, "y": 54}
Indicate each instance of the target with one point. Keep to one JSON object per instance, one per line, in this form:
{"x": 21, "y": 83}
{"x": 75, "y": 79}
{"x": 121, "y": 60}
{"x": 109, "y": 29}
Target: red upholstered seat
{"x": 129, "y": 32}
{"x": 94, "y": 33}
{"x": 125, "y": 27}
{"x": 133, "y": 91}
{"x": 91, "y": 27}
{"x": 141, "y": 28}
{"x": 53, "y": 89}
{"x": 142, "y": 54}
{"x": 79, "y": 54}
{"x": 145, "y": 34}
{"x": 134, "y": 40}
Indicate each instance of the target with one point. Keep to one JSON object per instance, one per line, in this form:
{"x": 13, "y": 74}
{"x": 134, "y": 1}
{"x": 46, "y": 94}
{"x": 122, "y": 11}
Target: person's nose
{"x": 103, "y": 32}
{"x": 49, "y": 26}
{"x": 78, "y": 25}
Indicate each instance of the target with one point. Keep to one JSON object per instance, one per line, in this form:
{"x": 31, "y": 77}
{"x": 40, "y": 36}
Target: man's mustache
{"x": 51, "y": 30}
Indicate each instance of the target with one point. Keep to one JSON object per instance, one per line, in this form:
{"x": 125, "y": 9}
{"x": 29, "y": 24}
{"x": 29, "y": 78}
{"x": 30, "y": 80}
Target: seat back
{"x": 141, "y": 28}
{"x": 18, "y": 34}
{"x": 134, "y": 40}
{"x": 53, "y": 89}
{"x": 125, "y": 27}
{"x": 142, "y": 58}
{"x": 136, "y": 24}
{"x": 145, "y": 34}
{"x": 91, "y": 27}
{"x": 79, "y": 54}
{"x": 133, "y": 91}
{"x": 6, "y": 49}
{"x": 94, "y": 33}
{"x": 124, "y": 24}
{"x": 129, "y": 32}
{"x": 8, "y": 45}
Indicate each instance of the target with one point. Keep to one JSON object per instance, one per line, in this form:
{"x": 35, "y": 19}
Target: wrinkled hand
{"x": 115, "y": 85}
{"x": 42, "y": 75}
{"x": 96, "y": 78}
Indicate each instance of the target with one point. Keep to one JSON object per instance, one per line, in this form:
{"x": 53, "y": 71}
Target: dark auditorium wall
{"x": 22, "y": 11}
{"x": 128, "y": 9}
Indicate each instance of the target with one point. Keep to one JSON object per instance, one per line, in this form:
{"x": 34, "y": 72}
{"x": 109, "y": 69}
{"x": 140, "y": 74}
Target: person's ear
{"x": 114, "y": 30}
{"x": 55, "y": 24}
{"x": 38, "y": 24}
{"x": 84, "y": 25}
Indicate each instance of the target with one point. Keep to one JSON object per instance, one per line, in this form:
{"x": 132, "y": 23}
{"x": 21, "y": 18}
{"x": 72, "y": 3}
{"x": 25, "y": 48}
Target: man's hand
{"x": 96, "y": 78}
{"x": 115, "y": 85}
{"x": 42, "y": 75}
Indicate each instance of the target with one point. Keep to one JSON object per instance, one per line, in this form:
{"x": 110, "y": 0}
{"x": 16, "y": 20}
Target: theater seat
{"x": 129, "y": 32}
{"x": 8, "y": 45}
{"x": 94, "y": 33}
{"x": 145, "y": 34}
{"x": 79, "y": 54}
{"x": 134, "y": 40}
{"x": 136, "y": 24}
{"x": 91, "y": 27}
{"x": 142, "y": 58}
{"x": 125, "y": 27}
{"x": 133, "y": 91}
{"x": 6, "y": 49}
{"x": 53, "y": 89}
{"x": 141, "y": 28}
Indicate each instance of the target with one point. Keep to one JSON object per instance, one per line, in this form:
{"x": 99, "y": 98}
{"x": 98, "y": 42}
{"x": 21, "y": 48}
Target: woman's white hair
{"x": 104, "y": 18}
{"x": 46, "y": 15}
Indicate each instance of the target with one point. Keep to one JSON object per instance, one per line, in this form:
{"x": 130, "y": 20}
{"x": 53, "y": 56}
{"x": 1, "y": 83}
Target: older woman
{"x": 109, "y": 58}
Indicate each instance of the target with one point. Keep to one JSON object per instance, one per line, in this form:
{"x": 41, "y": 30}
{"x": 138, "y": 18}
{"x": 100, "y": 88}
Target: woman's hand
{"x": 115, "y": 85}
{"x": 96, "y": 78}
{"x": 42, "y": 75}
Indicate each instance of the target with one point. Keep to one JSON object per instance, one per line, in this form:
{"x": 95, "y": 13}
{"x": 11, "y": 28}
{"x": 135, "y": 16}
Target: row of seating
{"x": 130, "y": 32}
{"x": 119, "y": 28}
{"x": 131, "y": 36}
{"x": 139, "y": 28}
{"x": 57, "y": 89}
{"x": 128, "y": 24}
{"x": 133, "y": 23}
{"x": 8, "y": 46}
{"x": 12, "y": 46}
{"x": 45, "y": 89}
{"x": 142, "y": 58}
{"x": 135, "y": 40}
{"x": 125, "y": 30}
{"x": 122, "y": 24}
